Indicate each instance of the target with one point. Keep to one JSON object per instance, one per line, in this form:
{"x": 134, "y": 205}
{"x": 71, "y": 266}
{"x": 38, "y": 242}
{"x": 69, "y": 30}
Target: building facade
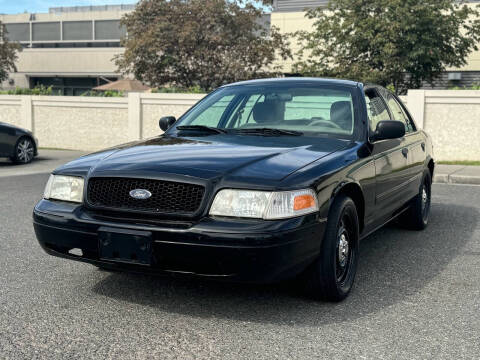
{"x": 72, "y": 49}
{"x": 289, "y": 16}
{"x": 69, "y": 48}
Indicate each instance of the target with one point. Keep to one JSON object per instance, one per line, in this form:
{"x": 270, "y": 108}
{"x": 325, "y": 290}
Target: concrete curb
{"x": 457, "y": 174}
{"x": 465, "y": 180}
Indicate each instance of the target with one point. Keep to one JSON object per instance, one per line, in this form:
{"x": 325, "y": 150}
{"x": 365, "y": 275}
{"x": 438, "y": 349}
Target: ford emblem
{"x": 140, "y": 194}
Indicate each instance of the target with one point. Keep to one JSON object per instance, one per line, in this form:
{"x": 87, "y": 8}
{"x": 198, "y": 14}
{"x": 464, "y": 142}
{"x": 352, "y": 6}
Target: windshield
{"x": 306, "y": 109}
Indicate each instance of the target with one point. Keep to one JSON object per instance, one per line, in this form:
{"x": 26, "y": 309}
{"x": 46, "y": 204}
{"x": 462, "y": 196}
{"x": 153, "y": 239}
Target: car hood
{"x": 208, "y": 157}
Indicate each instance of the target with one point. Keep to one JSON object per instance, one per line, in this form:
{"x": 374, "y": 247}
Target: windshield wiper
{"x": 268, "y": 132}
{"x": 202, "y": 128}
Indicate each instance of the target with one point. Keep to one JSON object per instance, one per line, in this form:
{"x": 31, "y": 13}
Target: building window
{"x": 18, "y": 32}
{"x": 109, "y": 30}
{"x": 46, "y": 31}
{"x": 77, "y": 30}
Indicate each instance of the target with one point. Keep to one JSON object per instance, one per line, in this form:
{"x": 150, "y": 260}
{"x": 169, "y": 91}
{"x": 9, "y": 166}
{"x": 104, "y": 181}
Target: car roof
{"x": 298, "y": 81}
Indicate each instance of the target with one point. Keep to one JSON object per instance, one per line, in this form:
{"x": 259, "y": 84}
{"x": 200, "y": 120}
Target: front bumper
{"x": 237, "y": 250}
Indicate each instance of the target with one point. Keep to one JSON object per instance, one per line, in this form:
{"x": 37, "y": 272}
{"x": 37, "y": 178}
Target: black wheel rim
{"x": 345, "y": 249}
{"x": 425, "y": 194}
{"x": 25, "y": 151}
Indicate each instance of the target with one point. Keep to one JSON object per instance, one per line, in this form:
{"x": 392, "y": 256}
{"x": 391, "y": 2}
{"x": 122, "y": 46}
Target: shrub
{"x": 108, "y": 93}
{"x": 38, "y": 90}
{"x": 190, "y": 90}
{"x": 475, "y": 86}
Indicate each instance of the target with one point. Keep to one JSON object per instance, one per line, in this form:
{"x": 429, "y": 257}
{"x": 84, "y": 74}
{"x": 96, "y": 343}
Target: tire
{"x": 24, "y": 151}
{"x": 416, "y": 217}
{"x": 331, "y": 276}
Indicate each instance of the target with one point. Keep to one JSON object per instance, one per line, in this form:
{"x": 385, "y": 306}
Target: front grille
{"x": 168, "y": 197}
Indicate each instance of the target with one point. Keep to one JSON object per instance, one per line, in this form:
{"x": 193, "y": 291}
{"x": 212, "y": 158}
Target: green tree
{"x": 390, "y": 42}
{"x": 8, "y": 54}
{"x": 205, "y": 43}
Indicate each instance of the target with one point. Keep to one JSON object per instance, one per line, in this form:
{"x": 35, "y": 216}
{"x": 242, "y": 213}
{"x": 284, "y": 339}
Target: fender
{"x": 353, "y": 190}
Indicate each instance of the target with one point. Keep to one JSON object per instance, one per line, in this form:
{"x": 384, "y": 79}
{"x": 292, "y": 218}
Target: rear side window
{"x": 376, "y": 108}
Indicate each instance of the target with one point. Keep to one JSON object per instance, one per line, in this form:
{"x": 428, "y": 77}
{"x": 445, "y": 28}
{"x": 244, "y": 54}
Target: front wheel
{"x": 332, "y": 275}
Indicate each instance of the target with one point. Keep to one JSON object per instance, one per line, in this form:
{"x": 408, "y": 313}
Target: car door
{"x": 415, "y": 142}
{"x": 6, "y": 137}
{"x": 390, "y": 158}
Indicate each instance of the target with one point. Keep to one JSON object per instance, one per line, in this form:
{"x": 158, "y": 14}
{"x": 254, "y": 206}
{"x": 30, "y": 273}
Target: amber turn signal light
{"x": 303, "y": 202}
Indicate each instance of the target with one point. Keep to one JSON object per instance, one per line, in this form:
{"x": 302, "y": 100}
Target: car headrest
{"x": 341, "y": 114}
{"x": 263, "y": 112}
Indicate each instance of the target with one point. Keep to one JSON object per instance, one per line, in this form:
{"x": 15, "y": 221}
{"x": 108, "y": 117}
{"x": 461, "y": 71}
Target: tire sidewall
{"x": 327, "y": 261}
{"x": 15, "y": 155}
{"x": 346, "y": 286}
{"x": 426, "y": 182}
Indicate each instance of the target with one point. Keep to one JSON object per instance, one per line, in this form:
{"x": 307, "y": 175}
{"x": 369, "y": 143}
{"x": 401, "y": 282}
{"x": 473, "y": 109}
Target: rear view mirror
{"x": 166, "y": 122}
{"x": 283, "y": 97}
{"x": 389, "y": 130}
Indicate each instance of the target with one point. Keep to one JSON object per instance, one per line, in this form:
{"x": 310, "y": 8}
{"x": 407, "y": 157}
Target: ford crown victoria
{"x": 260, "y": 181}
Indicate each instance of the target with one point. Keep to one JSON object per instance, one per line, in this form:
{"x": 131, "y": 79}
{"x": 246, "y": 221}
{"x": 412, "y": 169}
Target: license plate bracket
{"x": 125, "y": 245}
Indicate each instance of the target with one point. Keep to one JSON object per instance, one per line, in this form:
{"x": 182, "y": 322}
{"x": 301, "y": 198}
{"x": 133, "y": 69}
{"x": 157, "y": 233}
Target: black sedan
{"x": 260, "y": 181}
{"x": 17, "y": 144}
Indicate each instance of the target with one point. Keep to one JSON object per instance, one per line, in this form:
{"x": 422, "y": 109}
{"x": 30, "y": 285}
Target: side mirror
{"x": 389, "y": 130}
{"x": 166, "y": 122}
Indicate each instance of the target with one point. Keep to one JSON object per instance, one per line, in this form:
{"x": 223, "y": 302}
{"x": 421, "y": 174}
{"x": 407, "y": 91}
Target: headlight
{"x": 263, "y": 204}
{"x": 65, "y": 188}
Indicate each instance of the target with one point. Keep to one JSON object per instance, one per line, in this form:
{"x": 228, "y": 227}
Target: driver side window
{"x": 398, "y": 114}
{"x": 376, "y": 109}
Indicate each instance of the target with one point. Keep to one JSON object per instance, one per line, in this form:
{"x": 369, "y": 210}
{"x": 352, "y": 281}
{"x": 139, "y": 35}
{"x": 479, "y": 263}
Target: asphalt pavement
{"x": 417, "y": 296}
{"x": 46, "y": 161}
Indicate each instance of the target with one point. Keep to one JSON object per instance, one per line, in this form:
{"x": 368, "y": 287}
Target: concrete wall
{"x": 10, "y": 110}
{"x": 452, "y": 118}
{"x": 75, "y": 62}
{"x": 154, "y": 106}
{"x": 63, "y": 62}
{"x": 83, "y": 123}
{"x": 88, "y": 123}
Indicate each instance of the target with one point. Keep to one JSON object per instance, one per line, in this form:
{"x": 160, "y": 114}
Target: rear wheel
{"x": 332, "y": 275}
{"x": 24, "y": 151}
{"x": 416, "y": 217}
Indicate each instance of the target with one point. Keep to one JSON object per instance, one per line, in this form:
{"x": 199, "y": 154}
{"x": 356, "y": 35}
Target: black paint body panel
{"x": 382, "y": 177}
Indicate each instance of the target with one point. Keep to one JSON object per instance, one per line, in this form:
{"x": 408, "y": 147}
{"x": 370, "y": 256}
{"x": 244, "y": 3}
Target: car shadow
{"x": 394, "y": 264}
{"x": 7, "y": 162}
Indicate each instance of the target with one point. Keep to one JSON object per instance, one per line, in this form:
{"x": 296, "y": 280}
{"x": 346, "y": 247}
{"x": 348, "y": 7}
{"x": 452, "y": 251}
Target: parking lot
{"x": 417, "y": 295}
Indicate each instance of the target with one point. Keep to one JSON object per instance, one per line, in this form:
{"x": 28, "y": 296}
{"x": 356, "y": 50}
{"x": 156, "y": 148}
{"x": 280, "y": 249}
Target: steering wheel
{"x": 326, "y": 123}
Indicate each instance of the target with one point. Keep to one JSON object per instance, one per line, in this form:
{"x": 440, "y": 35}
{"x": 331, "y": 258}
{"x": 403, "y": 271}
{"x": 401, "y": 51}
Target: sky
{"x": 37, "y": 6}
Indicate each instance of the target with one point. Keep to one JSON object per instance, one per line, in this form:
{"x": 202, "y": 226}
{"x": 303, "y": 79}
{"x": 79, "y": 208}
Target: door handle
{"x": 423, "y": 147}
{"x": 405, "y": 152}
